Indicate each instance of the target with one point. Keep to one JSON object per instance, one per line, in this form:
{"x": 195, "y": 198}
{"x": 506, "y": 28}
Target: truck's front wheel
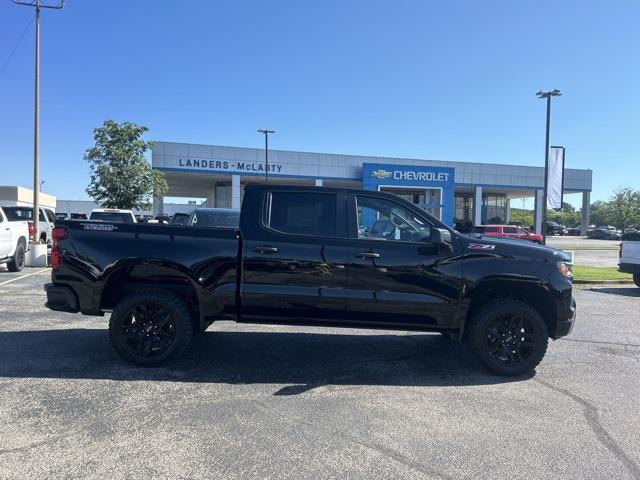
{"x": 508, "y": 336}
{"x": 150, "y": 327}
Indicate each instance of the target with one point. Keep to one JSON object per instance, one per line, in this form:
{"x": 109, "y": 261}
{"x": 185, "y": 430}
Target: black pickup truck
{"x": 314, "y": 256}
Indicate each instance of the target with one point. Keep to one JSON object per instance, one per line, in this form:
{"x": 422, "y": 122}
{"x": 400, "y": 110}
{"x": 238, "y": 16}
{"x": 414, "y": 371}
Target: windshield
{"x": 114, "y": 217}
{"x": 204, "y": 218}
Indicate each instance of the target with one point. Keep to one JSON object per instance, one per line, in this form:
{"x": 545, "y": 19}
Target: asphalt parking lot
{"x": 282, "y": 402}
{"x": 588, "y": 251}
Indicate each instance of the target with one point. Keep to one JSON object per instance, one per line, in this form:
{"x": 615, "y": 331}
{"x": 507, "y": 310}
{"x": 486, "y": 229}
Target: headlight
{"x": 565, "y": 269}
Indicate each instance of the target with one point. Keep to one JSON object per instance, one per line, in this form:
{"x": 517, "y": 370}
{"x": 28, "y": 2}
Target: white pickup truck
{"x": 45, "y": 224}
{"x": 14, "y": 241}
{"x": 630, "y": 257}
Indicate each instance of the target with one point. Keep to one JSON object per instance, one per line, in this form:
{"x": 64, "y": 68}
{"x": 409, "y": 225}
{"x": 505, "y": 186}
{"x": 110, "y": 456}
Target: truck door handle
{"x": 265, "y": 249}
{"x": 368, "y": 255}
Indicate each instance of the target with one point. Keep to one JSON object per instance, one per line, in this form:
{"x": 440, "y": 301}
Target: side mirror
{"x": 440, "y": 236}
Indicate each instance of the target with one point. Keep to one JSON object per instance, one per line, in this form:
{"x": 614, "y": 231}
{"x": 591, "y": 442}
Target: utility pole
{"x": 36, "y": 116}
{"x": 547, "y": 96}
{"x": 266, "y": 153}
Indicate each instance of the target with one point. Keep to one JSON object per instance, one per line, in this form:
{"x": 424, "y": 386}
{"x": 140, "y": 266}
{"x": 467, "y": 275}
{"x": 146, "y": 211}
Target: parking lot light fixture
{"x": 266, "y": 152}
{"x": 546, "y": 95}
{"x": 37, "y": 4}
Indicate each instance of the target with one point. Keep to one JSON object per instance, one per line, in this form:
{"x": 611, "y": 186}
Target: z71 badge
{"x": 481, "y": 246}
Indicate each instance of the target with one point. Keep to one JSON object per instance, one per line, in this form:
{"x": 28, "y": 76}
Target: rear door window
{"x": 509, "y": 230}
{"x": 490, "y": 229}
{"x": 301, "y": 213}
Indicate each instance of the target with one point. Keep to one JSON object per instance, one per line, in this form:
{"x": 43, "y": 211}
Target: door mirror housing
{"x": 441, "y": 236}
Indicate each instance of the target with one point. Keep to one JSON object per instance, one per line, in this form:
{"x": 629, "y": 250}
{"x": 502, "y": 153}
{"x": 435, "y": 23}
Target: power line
{"x": 15, "y": 47}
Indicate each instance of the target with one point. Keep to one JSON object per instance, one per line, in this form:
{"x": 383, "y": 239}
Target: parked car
{"x": 46, "y": 221}
{"x": 112, "y": 215}
{"x": 604, "y": 233}
{"x": 71, "y": 216}
{"x": 630, "y": 257}
{"x": 215, "y": 217}
{"x": 631, "y": 235}
{"x": 308, "y": 256}
{"x": 180, "y": 219}
{"x": 554, "y": 228}
{"x": 508, "y": 231}
{"x": 14, "y": 241}
{"x": 574, "y": 231}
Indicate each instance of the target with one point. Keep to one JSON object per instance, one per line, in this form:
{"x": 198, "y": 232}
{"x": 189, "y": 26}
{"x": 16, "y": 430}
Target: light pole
{"x": 36, "y": 116}
{"x": 266, "y": 153}
{"x": 547, "y": 96}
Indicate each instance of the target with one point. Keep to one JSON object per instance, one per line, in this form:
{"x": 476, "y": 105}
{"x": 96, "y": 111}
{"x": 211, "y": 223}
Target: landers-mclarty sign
{"x": 224, "y": 165}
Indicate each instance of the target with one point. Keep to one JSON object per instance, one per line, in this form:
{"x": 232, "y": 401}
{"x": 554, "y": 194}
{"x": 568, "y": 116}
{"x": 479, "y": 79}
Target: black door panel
{"x": 402, "y": 285}
{"x": 289, "y": 274}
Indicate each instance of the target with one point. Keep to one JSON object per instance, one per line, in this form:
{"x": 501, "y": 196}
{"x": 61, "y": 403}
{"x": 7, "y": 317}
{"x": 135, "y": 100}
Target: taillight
{"x": 30, "y": 229}
{"x": 58, "y": 233}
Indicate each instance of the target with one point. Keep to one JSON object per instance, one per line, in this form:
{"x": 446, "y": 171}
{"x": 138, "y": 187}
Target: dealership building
{"x": 461, "y": 194}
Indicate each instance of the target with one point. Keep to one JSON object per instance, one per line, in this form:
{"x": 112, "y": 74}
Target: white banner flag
{"x": 555, "y": 177}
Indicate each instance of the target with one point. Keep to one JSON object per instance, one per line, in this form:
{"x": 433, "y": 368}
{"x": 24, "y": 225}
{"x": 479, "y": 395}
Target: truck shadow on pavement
{"x": 626, "y": 292}
{"x": 301, "y": 361}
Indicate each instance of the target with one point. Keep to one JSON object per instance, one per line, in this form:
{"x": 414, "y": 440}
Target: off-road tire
{"x": 16, "y": 264}
{"x": 180, "y": 328}
{"x": 481, "y": 331}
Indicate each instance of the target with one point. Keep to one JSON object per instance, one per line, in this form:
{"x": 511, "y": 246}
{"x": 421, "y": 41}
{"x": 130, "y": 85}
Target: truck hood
{"x": 510, "y": 247}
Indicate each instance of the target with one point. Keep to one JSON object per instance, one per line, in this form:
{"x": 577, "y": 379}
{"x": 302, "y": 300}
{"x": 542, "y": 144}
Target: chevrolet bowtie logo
{"x": 381, "y": 173}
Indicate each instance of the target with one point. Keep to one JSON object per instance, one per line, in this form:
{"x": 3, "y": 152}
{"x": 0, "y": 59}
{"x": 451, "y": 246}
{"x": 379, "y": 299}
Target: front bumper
{"x": 61, "y": 298}
{"x": 565, "y": 325}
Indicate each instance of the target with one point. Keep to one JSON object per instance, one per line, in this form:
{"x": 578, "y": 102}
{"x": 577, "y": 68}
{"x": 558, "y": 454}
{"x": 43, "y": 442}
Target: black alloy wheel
{"x": 510, "y": 339}
{"x": 508, "y": 336}
{"x": 150, "y": 327}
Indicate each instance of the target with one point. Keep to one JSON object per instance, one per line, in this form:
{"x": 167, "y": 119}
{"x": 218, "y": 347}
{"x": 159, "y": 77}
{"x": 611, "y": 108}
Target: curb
{"x": 602, "y": 282}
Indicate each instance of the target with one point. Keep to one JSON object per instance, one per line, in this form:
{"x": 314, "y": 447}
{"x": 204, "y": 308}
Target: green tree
{"x": 625, "y": 208}
{"x": 120, "y": 175}
{"x": 601, "y": 213}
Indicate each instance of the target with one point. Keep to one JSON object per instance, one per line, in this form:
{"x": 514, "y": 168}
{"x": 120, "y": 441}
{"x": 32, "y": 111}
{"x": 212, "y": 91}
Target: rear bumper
{"x": 61, "y": 298}
{"x": 564, "y": 325}
{"x": 629, "y": 267}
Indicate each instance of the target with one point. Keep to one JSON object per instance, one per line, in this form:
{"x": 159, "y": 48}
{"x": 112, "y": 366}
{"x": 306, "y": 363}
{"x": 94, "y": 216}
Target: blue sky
{"x": 441, "y": 80}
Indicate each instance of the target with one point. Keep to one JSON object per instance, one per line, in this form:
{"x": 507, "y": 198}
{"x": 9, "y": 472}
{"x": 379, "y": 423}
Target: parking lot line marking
{"x": 24, "y": 276}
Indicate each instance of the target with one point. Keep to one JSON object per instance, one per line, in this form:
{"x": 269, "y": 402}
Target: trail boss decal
{"x": 481, "y": 246}
{"x": 99, "y": 227}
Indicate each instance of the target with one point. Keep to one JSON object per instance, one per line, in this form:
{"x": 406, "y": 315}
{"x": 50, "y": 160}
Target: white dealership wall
{"x": 16, "y": 196}
{"x": 195, "y": 170}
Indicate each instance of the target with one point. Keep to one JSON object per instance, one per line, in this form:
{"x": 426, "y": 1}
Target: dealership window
{"x": 223, "y": 195}
{"x": 380, "y": 219}
{"x": 429, "y": 199}
{"x": 494, "y": 208}
{"x": 463, "y": 215}
{"x": 303, "y": 213}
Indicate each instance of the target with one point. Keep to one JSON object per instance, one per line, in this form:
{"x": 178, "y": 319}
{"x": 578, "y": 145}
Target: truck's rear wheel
{"x": 150, "y": 327}
{"x": 636, "y": 279}
{"x": 508, "y": 336}
{"x": 17, "y": 262}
